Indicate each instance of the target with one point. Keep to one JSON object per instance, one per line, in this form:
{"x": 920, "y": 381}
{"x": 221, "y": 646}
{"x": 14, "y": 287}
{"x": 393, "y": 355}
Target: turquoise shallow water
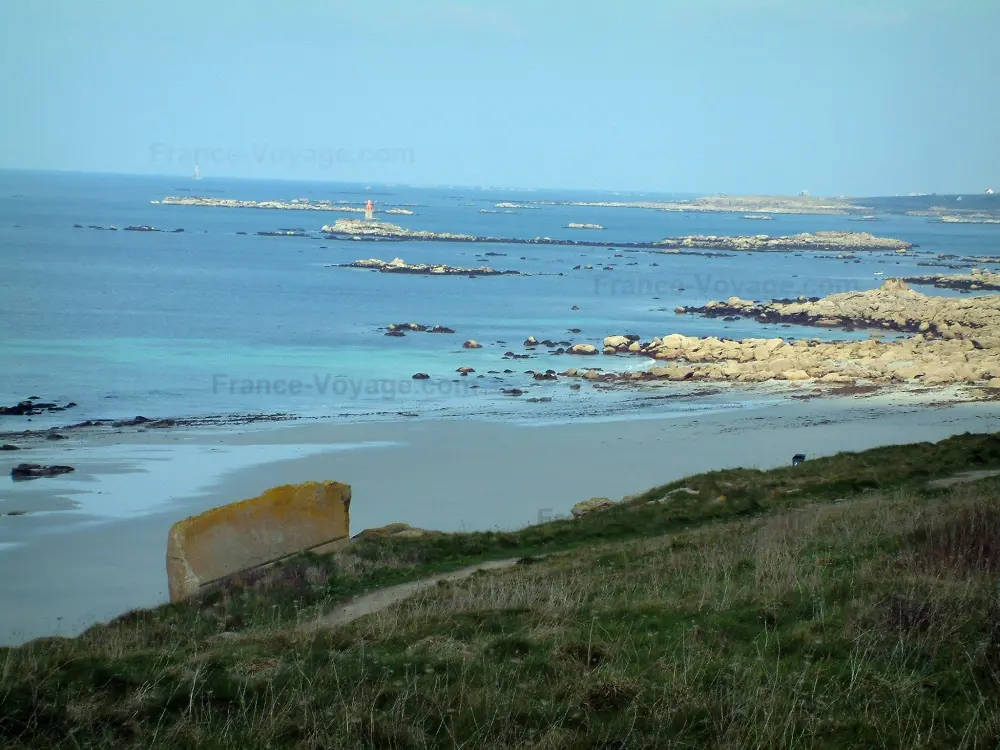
{"x": 210, "y": 322}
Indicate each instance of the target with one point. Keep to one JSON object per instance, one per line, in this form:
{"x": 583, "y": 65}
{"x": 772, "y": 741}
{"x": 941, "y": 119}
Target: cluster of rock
{"x": 595, "y": 504}
{"x": 758, "y": 360}
{"x": 398, "y": 265}
{"x": 978, "y": 279}
{"x": 145, "y": 228}
{"x": 375, "y": 231}
{"x": 971, "y": 219}
{"x": 31, "y": 406}
{"x": 574, "y": 225}
{"x": 400, "y": 329}
{"x": 363, "y": 228}
{"x": 820, "y": 241}
{"x": 894, "y": 306}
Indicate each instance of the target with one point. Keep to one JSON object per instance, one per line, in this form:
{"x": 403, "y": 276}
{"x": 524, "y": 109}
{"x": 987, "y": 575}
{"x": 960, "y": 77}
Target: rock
{"x": 9, "y": 447}
{"x": 464, "y": 370}
{"x": 31, "y": 406}
{"x": 616, "y": 341}
{"x": 421, "y": 376}
{"x": 993, "y": 383}
{"x": 582, "y": 349}
{"x": 894, "y": 285}
{"x": 584, "y": 507}
{"x": 397, "y": 265}
{"x": 472, "y": 344}
{"x": 395, "y": 531}
{"x": 833, "y": 240}
{"x": 441, "y": 329}
{"x": 240, "y": 538}
{"x": 55, "y": 436}
{"x": 795, "y": 375}
{"x": 33, "y": 471}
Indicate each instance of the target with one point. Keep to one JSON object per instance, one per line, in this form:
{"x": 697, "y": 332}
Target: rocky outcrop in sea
{"x": 364, "y": 230}
{"x": 894, "y": 306}
{"x": 398, "y": 265}
{"x": 957, "y": 343}
{"x": 818, "y": 241}
{"x": 977, "y": 279}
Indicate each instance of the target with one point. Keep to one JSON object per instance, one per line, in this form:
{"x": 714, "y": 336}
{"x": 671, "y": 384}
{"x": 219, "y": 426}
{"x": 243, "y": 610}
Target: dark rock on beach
{"x": 31, "y": 406}
{"x": 33, "y": 471}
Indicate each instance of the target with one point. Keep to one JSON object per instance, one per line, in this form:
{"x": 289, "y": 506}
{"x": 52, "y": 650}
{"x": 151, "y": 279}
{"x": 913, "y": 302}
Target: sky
{"x": 838, "y": 97}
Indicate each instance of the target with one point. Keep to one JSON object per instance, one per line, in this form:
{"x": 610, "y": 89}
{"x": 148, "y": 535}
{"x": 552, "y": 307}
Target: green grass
{"x": 840, "y": 603}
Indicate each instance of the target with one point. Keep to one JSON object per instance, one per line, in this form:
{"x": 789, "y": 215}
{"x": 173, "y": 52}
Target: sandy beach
{"x": 87, "y": 546}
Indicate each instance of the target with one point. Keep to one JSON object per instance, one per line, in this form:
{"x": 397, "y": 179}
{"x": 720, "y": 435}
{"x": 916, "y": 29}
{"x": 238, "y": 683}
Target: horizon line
{"x": 491, "y": 187}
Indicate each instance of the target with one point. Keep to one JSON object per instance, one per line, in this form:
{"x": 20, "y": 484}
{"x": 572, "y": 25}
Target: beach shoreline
{"x": 92, "y": 544}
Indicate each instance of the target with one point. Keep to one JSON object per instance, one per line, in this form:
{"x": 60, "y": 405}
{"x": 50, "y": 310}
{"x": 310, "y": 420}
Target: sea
{"x": 218, "y": 321}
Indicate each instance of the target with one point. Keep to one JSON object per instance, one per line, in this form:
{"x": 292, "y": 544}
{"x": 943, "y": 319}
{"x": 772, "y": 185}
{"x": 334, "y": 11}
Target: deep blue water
{"x": 164, "y": 324}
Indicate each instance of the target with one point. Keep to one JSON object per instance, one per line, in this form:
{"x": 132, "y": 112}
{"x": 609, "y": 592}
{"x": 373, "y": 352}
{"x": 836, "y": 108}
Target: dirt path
{"x": 966, "y": 476}
{"x": 381, "y": 599}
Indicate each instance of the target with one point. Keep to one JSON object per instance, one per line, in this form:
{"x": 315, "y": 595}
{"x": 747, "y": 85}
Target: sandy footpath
{"x": 91, "y": 545}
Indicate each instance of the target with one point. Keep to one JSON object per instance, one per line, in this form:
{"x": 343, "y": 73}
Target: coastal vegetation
{"x": 848, "y": 601}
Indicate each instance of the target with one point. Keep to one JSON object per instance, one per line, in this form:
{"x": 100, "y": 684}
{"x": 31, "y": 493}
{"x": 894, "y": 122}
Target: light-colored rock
{"x": 242, "y": 536}
{"x": 582, "y": 349}
{"x": 584, "y": 507}
{"x": 894, "y": 285}
{"x": 795, "y": 375}
{"x": 472, "y": 344}
{"x": 395, "y": 531}
{"x": 616, "y": 341}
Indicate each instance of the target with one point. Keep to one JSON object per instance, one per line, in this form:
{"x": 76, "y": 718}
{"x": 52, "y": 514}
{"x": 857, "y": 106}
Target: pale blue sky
{"x": 857, "y": 97}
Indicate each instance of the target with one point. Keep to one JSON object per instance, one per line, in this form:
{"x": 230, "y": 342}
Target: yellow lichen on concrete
{"x": 244, "y": 535}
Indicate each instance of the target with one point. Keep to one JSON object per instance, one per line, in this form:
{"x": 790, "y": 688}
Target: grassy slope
{"x": 838, "y": 603}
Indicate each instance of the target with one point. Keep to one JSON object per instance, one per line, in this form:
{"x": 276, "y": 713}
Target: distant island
{"x": 361, "y": 230}
{"x": 947, "y": 209}
{"x": 296, "y": 204}
{"x": 398, "y": 265}
{"x": 806, "y": 241}
{"x": 748, "y": 204}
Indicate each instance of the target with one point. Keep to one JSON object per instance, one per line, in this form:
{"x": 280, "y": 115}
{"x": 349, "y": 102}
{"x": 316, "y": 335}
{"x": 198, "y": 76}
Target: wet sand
{"x": 92, "y": 544}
